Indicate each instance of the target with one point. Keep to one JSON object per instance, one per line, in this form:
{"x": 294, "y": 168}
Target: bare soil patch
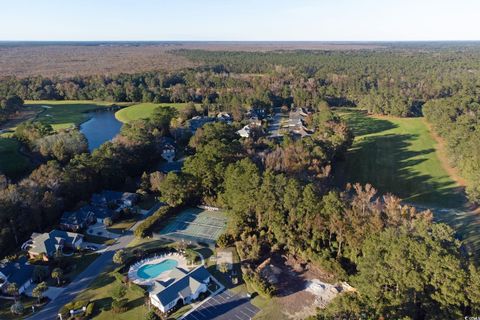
{"x": 293, "y": 277}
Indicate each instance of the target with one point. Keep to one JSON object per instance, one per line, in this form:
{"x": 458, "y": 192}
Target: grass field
{"x": 398, "y": 155}
{"x": 142, "y": 111}
{"x": 65, "y": 114}
{"x": 12, "y": 162}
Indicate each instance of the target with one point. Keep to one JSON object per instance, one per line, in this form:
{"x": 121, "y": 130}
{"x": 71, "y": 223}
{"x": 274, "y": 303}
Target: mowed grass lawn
{"x": 99, "y": 292}
{"x": 143, "y": 111}
{"x": 398, "y": 155}
{"x": 65, "y": 114}
{"x": 12, "y": 162}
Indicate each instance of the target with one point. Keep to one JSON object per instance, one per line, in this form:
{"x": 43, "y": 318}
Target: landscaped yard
{"x": 64, "y": 114}
{"x": 12, "y": 162}
{"x": 99, "y": 292}
{"x": 143, "y": 110}
{"x": 76, "y": 264}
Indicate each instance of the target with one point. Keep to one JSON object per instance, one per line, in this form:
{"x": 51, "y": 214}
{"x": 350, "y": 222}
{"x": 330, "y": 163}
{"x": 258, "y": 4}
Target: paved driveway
{"x": 225, "y": 306}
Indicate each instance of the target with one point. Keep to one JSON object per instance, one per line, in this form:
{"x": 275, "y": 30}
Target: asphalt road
{"x": 84, "y": 279}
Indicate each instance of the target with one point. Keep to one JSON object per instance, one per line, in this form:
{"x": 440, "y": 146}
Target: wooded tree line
{"x": 8, "y": 106}
{"x": 36, "y": 202}
{"x": 42, "y": 139}
{"x": 457, "y": 120}
{"x": 396, "y": 82}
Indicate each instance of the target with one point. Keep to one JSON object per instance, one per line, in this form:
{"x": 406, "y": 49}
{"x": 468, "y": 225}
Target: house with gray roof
{"x": 19, "y": 272}
{"x": 77, "y": 220}
{"x": 112, "y": 199}
{"x": 185, "y": 288}
{"x": 47, "y": 244}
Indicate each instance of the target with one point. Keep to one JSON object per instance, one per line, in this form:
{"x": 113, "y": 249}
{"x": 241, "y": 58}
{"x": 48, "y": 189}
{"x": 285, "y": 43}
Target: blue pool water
{"x": 150, "y": 271}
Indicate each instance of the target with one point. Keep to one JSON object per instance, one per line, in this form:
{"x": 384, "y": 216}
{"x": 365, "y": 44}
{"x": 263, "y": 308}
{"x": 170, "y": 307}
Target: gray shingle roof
{"x": 18, "y": 271}
{"x": 49, "y": 242}
{"x": 184, "y": 286}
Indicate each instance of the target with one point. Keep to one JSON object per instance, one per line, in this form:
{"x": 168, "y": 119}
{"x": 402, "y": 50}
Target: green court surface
{"x": 197, "y": 225}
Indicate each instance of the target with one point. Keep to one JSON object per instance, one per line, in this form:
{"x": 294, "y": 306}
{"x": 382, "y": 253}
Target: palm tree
{"x": 57, "y": 273}
{"x": 39, "y": 290}
{"x": 12, "y": 290}
{"x": 119, "y": 257}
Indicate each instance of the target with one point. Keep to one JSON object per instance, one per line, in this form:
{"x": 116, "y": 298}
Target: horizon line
{"x": 251, "y": 41}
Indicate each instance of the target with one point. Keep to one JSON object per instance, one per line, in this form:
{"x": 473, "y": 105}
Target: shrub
{"x": 118, "y": 291}
{"x": 151, "y": 315}
{"x": 119, "y": 306}
{"x": 90, "y": 308}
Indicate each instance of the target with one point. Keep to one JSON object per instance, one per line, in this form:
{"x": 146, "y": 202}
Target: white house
{"x": 185, "y": 288}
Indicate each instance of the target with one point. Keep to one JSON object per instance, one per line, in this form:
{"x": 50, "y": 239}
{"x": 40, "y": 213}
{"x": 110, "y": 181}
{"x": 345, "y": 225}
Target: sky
{"x": 240, "y": 20}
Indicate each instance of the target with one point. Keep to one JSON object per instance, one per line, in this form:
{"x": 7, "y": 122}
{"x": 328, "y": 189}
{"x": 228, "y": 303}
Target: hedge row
{"x": 160, "y": 216}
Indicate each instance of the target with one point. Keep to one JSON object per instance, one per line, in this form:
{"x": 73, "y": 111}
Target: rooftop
{"x": 49, "y": 243}
{"x": 183, "y": 287}
{"x": 18, "y": 271}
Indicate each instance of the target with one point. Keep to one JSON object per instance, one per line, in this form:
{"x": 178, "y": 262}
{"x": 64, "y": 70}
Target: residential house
{"x": 77, "y": 220}
{"x": 48, "y": 244}
{"x": 185, "y": 288}
{"x": 19, "y": 272}
{"x": 198, "y": 122}
{"x": 114, "y": 199}
{"x": 224, "y": 117}
{"x": 296, "y": 122}
{"x": 257, "y": 114}
{"x": 168, "y": 152}
{"x": 244, "y": 132}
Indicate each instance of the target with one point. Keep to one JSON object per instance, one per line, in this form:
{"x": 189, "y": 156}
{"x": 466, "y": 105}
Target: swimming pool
{"x": 150, "y": 271}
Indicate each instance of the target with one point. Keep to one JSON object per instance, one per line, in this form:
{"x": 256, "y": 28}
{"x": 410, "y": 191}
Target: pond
{"x": 102, "y": 127}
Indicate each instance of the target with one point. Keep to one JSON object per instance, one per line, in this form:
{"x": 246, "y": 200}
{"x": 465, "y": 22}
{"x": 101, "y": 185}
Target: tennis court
{"x": 196, "y": 224}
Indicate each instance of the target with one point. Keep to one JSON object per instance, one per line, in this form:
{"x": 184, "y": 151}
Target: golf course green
{"x": 143, "y": 111}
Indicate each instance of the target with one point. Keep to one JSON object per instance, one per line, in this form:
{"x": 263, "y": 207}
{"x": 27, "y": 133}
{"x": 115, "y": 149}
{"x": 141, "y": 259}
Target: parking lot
{"x": 225, "y": 306}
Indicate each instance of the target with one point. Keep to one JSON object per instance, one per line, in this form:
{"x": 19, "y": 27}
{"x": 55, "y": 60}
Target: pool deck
{"x": 166, "y": 275}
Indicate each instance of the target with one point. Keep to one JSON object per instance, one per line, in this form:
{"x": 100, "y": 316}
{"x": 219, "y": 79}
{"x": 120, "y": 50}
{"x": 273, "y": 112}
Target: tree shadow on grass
{"x": 361, "y": 124}
{"x": 102, "y": 281}
{"x": 136, "y": 303}
{"x": 387, "y": 163}
{"x": 101, "y": 305}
